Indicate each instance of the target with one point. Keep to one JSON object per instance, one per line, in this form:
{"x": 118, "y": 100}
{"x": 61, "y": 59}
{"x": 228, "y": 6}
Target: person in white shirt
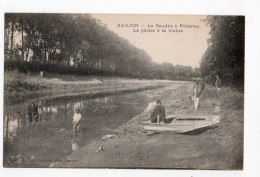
{"x": 197, "y": 93}
{"x": 76, "y": 119}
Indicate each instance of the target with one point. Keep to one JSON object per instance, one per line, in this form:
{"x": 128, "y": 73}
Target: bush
{"x": 35, "y": 67}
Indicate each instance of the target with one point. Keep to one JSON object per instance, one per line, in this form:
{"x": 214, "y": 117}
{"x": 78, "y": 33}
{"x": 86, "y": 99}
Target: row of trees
{"x": 78, "y": 43}
{"x": 225, "y": 53}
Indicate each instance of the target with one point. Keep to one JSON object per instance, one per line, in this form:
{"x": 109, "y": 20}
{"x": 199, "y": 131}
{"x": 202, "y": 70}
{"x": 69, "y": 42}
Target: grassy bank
{"x": 20, "y": 87}
{"x": 218, "y": 148}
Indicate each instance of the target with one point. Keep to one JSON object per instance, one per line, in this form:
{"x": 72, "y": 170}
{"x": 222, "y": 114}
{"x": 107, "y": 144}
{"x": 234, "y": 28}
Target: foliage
{"x": 225, "y": 53}
{"x": 77, "y": 44}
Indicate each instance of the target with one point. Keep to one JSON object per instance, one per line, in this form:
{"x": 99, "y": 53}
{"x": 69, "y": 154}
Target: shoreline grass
{"x": 20, "y": 87}
{"x": 218, "y": 148}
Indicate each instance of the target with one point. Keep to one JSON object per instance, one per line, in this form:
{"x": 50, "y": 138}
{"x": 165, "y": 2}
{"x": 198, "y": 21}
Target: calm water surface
{"x": 51, "y": 139}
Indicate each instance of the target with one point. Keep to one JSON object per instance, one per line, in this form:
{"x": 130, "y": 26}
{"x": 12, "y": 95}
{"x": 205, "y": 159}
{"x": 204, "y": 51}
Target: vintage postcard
{"x": 123, "y": 91}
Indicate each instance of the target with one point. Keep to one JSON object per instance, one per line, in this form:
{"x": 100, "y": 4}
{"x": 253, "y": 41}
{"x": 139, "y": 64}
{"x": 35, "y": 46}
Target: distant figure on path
{"x": 158, "y": 114}
{"x": 197, "y": 92}
{"x": 76, "y": 119}
{"x": 33, "y": 112}
{"x": 218, "y": 83}
{"x": 202, "y": 84}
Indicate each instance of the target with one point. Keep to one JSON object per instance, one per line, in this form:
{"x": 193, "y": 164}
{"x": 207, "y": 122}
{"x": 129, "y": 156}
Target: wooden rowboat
{"x": 182, "y": 124}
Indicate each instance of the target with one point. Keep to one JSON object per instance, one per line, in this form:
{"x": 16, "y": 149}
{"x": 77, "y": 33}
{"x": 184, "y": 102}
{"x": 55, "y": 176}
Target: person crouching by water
{"x": 33, "y": 112}
{"x": 76, "y": 119}
{"x": 158, "y": 114}
{"x": 196, "y": 94}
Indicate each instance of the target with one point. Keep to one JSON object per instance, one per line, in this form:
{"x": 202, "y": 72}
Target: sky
{"x": 184, "y": 48}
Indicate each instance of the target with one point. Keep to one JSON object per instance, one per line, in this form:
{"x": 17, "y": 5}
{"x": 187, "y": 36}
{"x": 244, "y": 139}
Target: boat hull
{"x": 182, "y": 125}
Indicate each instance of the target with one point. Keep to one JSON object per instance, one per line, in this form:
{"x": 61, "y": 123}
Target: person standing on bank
{"x": 76, "y": 118}
{"x": 158, "y": 114}
{"x": 218, "y": 83}
{"x": 33, "y": 112}
{"x": 196, "y": 94}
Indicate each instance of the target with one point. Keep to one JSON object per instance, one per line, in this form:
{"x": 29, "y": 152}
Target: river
{"x": 51, "y": 139}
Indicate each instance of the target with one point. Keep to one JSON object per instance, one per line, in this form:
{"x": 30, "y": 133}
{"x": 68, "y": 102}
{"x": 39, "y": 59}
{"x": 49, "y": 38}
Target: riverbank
{"x": 21, "y": 87}
{"x": 105, "y": 104}
{"x": 133, "y": 147}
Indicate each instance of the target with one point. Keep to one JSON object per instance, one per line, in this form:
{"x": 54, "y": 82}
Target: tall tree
{"x": 225, "y": 53}
{"x": 78, "y": 43}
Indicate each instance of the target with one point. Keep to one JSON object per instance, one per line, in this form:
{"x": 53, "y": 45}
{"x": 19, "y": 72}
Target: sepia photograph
{"x": 123, "y": 91}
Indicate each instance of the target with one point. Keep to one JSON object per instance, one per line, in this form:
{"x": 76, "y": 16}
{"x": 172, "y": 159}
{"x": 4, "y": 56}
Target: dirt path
{"x": 132, "y": 147}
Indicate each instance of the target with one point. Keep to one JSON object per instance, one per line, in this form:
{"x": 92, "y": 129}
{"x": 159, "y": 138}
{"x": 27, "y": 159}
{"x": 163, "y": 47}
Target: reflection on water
{"x": 51, "y": 139}
{"x": 11, "y": 127}
{"x": 50, "y": 111}
{"x": 74, "y": 144}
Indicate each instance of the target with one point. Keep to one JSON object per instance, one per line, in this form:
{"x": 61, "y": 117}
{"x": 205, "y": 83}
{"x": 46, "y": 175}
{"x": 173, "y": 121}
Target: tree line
{"x": 225, "y": 53}
{"x": 78, "y": 44}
